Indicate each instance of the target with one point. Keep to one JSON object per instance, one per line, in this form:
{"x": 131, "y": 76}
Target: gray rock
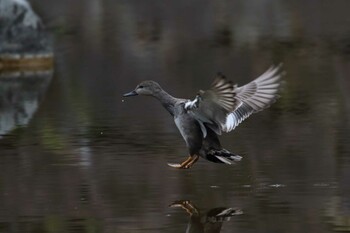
{"x": 21, "y": 30}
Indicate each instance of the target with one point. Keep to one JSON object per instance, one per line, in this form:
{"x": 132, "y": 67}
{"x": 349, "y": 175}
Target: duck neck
{"x": 166, "y": 100}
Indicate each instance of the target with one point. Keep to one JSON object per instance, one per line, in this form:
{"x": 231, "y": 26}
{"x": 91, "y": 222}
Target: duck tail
{"x": 222, "y": 214}
{"x": 222, "y": 156}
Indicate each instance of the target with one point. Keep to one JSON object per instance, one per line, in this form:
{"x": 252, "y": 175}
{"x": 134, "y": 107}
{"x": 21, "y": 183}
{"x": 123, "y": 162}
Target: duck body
{"x": 192, "y": 131}
{"x": 219, "y": 109}
{"x": 189, "y": 128}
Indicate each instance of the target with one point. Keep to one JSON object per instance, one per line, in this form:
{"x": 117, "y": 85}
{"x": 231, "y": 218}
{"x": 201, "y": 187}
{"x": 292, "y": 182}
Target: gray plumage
{"x": 220, "y": 109}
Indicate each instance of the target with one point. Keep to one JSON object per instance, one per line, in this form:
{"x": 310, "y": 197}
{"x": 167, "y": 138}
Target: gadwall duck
{"x": 220, "y": 109}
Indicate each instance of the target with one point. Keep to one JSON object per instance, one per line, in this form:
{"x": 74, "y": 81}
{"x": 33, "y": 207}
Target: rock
{"x": 21, "y": 30}
{"x": 26, "y": 64}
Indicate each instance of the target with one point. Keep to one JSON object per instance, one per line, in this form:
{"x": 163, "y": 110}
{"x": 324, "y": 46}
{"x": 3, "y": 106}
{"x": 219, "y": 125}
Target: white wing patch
{"x": 236, "y": 117}
{"x": 254, "y": 97}
{"x": 231, "y": 121}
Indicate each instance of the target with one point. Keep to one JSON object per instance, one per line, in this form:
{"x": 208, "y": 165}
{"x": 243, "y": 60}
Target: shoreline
{"x": 26, "y": 62}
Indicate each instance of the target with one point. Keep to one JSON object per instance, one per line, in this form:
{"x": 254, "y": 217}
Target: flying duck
{"x": 219, "y": 109}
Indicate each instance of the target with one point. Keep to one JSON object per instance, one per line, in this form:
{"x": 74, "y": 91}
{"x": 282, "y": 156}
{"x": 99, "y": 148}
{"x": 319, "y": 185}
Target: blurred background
{"x": 76, "y": 157}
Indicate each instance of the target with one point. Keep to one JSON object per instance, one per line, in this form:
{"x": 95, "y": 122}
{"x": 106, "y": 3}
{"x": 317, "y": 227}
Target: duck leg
{"x": 185, "y": 164}
{"x": 187, "y": 206}
{"x": 194, "y": 159}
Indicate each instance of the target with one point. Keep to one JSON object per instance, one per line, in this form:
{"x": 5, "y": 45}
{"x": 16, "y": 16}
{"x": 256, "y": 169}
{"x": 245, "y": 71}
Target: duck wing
{"x": 224, "y": 106}
{"x": 211, "y": 107}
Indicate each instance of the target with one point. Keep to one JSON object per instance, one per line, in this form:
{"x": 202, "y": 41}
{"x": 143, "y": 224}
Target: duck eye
{"x": 141, "y": 86}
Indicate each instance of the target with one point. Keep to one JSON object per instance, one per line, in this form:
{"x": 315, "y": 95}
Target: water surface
{"x": 84, "y": 160}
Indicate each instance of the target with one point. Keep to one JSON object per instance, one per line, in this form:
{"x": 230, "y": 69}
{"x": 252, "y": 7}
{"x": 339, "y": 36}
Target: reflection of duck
{"x": 219, "y": 109}
{"x": 208, "y": 222}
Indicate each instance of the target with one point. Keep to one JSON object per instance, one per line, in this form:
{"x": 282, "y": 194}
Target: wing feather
{"x": 255, "y": 96}
{"x": 224, "y": 106}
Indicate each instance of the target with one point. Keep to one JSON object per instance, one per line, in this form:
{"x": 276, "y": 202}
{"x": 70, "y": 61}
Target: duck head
{"x": 148, "y": 87}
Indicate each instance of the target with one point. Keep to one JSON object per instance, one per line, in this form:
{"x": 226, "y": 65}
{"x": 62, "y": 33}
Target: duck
{"x": 219, "y": 109}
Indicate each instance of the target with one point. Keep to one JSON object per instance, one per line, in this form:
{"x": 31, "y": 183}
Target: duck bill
{"x": 132, "y": 93}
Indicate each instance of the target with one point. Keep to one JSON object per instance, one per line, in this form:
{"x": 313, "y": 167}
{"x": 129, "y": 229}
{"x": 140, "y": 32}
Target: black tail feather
{"x": 222, "y": 156}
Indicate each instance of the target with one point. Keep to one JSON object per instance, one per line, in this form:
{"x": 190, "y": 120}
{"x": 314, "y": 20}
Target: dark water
{"x": 75, "y": 158}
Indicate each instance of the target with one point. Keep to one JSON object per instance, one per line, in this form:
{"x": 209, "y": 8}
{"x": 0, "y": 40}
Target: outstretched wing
{"x": 211, "y": 107}
{"x": 254, "y": 97}
{"x": 224, "y": 106}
